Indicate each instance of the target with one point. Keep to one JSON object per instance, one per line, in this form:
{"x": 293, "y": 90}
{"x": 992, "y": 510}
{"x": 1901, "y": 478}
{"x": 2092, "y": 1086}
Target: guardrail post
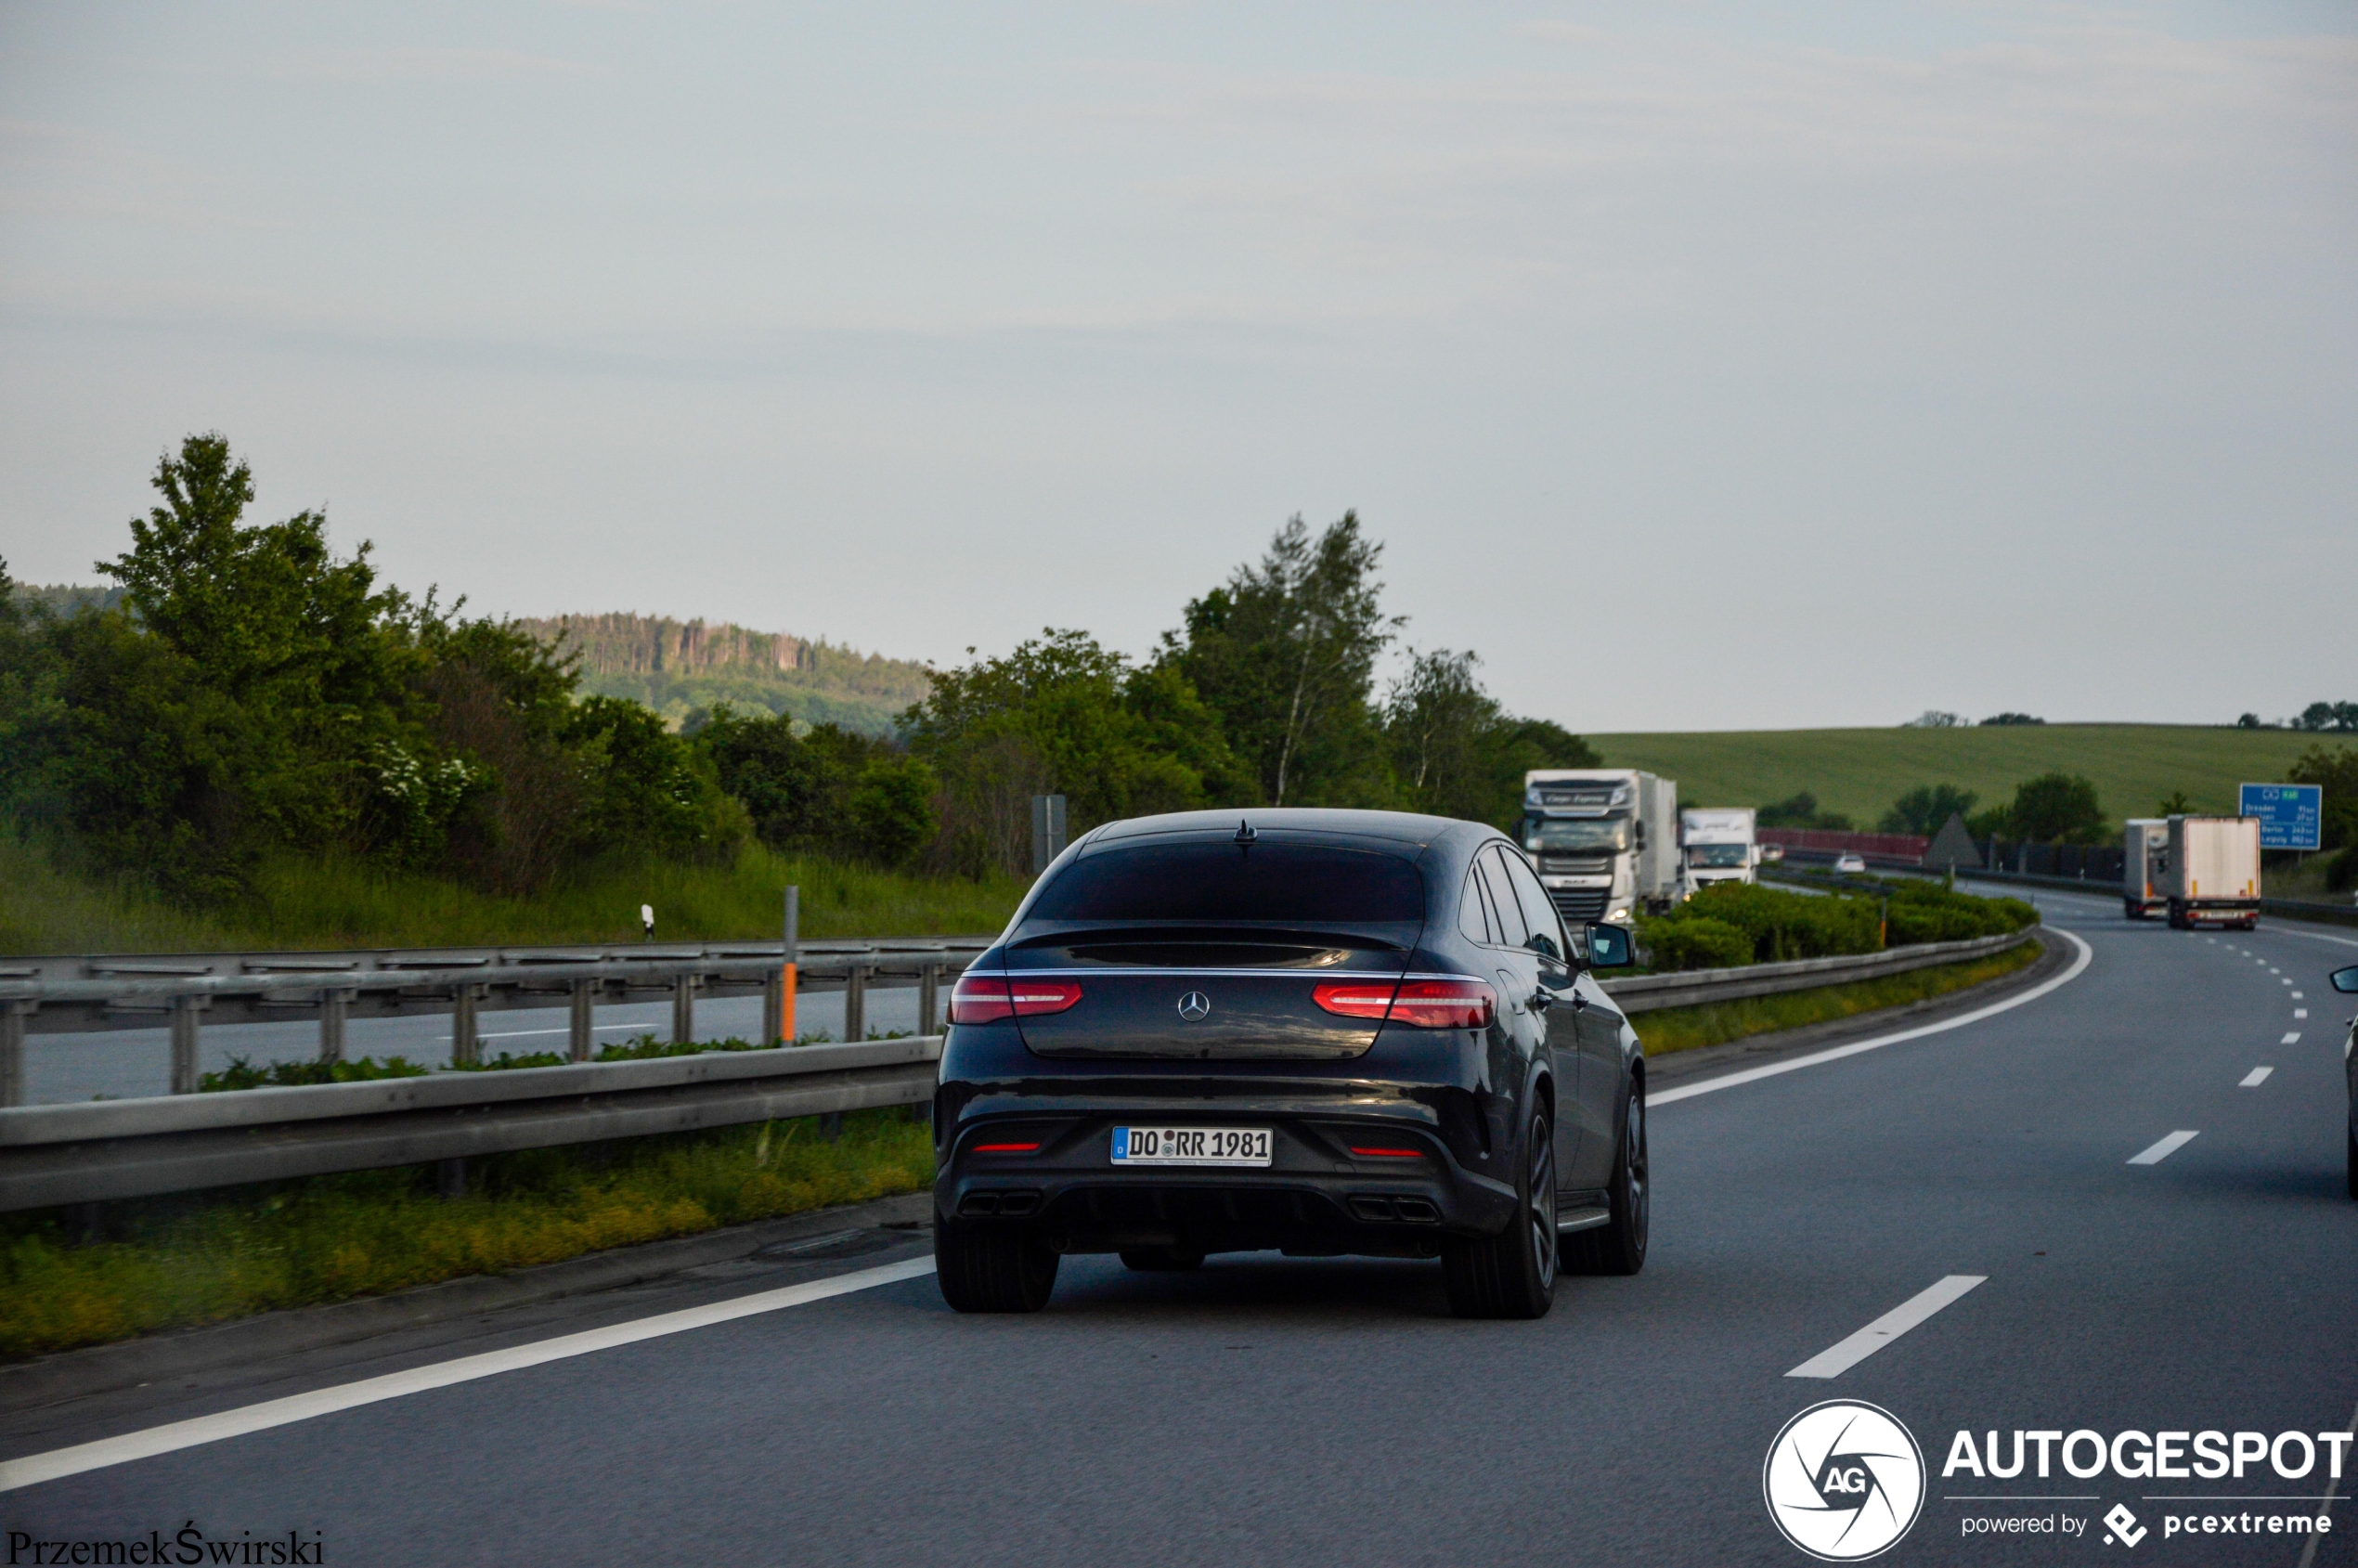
{"x": 855, "y": 1003}
{"x": 334, "y": 1007}
{"x": 929, "y": 997}
{"x": 12, "y": 1018}
{"x": 773, "y": 1007}
{"x": 584, "y": 1034}
{"x": 683, "y": 1008}
{"x": 787, "y": 970}
{"x": 466, "y": 1045}
{"x": 183, "y": 1042}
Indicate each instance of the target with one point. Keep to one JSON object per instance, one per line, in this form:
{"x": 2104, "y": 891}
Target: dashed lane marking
{"x": 2255, "y": 1078}
{"x": 2164, "y": 1148}
{"x": 1838, "y": 1358}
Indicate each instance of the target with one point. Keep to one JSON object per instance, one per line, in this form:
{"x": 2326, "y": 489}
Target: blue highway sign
{"x": 2288, "y": 813}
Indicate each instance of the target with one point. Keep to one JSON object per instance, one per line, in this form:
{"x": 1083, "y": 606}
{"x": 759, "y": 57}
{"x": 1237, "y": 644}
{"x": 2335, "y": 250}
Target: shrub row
{"x": 1734, "y": 924}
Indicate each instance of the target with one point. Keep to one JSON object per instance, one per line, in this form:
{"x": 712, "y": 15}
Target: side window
{"x": 1538, "y": 912}
{"x": 1473, "y": 922}
{"x": 1504, "y": 908}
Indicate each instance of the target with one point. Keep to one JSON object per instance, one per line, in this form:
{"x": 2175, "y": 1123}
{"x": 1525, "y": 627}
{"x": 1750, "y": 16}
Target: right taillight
{"x": 1419, "y": 1004}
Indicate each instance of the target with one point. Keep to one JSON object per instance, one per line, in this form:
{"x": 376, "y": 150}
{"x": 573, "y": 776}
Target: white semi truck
{"x": 1604, "y": 840}
{"x": 1720, "y": 846}
{"x": 2213, "y": 874}
{"x": 2145, "y": 853}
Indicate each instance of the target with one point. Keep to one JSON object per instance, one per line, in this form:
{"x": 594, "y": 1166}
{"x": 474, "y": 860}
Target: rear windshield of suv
{"x": 1314, "y": 883}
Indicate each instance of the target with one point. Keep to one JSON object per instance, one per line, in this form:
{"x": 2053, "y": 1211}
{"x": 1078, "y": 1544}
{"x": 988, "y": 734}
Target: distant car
{"x": 1851, "y": 860}
{"x": 2346, "y": 980}
{"x": 1772, "y": 853}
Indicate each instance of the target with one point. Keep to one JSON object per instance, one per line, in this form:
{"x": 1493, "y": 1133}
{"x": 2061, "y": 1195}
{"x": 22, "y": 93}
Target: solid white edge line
{"x": 2315, "y": 936}
{"x": 2163, "y": 1149}
{"x": 1838, "y": 1358}
{"x": 1750, "y": 1075}
{"x": 58, "y": 1463}
{"x": 2255, "y": 1078}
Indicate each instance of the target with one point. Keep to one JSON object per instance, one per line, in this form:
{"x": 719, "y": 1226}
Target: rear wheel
{"x": 1619, "y": 1245}
{"x": 1159, "y": 1259}
{"x": 992, "y": 1268}
{"x": 1513, "y": 1273}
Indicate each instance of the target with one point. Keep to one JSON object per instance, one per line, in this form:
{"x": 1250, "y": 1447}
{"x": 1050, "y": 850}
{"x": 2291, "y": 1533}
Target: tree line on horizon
{"x": 244, "y": 692}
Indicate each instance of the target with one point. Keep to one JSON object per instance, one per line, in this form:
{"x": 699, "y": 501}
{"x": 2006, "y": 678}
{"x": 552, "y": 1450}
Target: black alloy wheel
{"x": 1619, "y": 1245}
{"x": 992, "y": 1268}
{"x": 1513, "y": 1273}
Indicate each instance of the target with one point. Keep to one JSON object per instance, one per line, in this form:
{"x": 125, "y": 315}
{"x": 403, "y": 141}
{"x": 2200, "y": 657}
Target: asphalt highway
{"x": 1997, "y": 1226}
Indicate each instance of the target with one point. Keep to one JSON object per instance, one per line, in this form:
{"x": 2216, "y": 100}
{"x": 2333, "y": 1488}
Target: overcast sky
{"x": 1700, "y": 366}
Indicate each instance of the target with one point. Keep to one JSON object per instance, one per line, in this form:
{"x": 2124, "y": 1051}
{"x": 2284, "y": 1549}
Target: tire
{"x": 1161, "y": 1260}
{"x": 2178, "y": 919}
{"x": 1619, "y": 1245}
{"x": 1513, "y": 1273}
{"x": 992, "y": 1268}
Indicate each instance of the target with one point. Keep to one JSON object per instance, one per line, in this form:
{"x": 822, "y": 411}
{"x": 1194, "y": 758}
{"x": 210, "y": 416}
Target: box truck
{"x": 2145, "y": 851}
{"x": 1720, "y": 846}
{"x": 1603, "y": 840}
{"x": 2213, "y": 873}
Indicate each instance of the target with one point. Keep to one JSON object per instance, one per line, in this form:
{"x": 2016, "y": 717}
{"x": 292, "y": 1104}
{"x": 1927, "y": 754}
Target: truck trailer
{"x": 1603, "y": 840}
{"x": 2212, "y": 874}
{"x": 2145, "y": 853}
{"x": 1720, "y": 844}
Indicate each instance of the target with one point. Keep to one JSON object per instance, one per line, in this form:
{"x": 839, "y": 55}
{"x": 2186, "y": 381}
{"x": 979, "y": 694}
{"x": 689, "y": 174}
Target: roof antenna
{"x": 1245, "y": 834}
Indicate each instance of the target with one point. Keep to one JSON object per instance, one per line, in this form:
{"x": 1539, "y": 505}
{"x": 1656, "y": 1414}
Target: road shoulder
{"x": 1707, "y": 1062}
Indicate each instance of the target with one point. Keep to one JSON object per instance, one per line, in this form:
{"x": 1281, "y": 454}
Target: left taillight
{"x": 986, "y": 999}
{"x": 1419, "y": 1004}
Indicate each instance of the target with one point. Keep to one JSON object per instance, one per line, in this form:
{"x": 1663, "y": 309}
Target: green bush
{"x": 242, "y": 1074}
{"x": 1786, "y": 926}
{"x": 1695, "y": 942}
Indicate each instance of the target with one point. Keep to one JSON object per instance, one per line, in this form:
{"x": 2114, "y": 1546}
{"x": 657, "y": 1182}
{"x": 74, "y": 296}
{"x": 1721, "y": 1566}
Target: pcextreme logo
{"x": 1844, "y": 1481}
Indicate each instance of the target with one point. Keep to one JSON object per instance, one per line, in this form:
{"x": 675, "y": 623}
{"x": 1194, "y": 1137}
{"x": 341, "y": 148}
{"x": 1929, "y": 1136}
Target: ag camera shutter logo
{"x": 1844, "y": 1481}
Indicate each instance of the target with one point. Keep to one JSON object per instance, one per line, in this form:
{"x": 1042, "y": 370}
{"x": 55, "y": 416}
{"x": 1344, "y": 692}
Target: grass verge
{"x": 176, "y": 1263}
{"x": 329, "y": 902}
{"x": 1684, "y": 1029}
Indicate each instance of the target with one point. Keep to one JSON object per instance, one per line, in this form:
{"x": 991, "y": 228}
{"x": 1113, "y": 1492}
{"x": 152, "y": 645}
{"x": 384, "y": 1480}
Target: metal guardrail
{"x": 55, "y": 1155}
{"x": 1694, "y": 987}
{"x": 179, "y": 992}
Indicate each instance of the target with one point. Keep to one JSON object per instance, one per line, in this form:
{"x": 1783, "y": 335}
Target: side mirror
{"x": 1608, "y": 948}
{"x": 2345, "y": 979}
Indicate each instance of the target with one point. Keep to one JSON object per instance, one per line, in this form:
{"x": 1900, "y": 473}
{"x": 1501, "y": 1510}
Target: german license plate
{"x": 1191, "y": 1146}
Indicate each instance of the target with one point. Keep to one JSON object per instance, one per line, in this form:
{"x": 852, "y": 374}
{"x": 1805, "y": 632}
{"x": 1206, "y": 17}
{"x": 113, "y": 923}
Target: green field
{"x": 1861, "y": 773}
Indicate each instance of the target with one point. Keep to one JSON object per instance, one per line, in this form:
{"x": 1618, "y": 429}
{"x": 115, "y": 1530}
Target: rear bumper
{"x": 1317, "y": 1197}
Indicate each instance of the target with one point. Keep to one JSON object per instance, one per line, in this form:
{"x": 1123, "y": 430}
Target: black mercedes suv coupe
{"x": 1319, "y": 1031}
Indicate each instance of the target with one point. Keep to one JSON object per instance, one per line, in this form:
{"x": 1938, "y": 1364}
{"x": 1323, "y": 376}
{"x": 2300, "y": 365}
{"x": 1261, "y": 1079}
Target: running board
{"x": 1583, "y": 1219}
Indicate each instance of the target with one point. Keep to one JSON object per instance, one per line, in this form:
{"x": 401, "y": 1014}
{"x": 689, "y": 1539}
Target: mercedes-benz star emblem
{"x": 1194, "y": 1006}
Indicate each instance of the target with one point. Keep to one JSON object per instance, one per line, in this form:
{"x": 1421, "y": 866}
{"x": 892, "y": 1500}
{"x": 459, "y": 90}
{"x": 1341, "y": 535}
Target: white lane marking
{"x": 58, "y": 1462}
{"x": 1840, "y": 1358}
{"x": 2287, "y": 981}
{"x": 1688, "y": 1091}
{"x": 2292, "y": 1037}
{"x": 2300, "y": 1011}
{"x": 2163, "y": 1149}
{"x": 2298, "y": 996}
{"x": 2309, "y": 1553}
{"x": 2273, "y": 970}
{"x": 2317, "y": 937}
{"x": 2255, "y": 1078}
